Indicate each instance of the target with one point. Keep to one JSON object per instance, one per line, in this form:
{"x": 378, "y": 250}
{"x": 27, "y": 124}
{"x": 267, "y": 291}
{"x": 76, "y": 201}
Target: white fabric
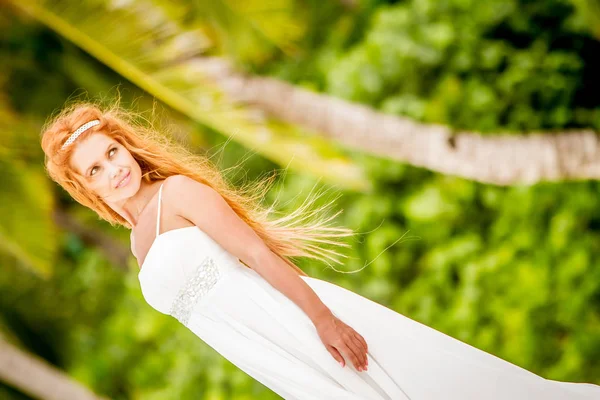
{"x": 268, "y": 336}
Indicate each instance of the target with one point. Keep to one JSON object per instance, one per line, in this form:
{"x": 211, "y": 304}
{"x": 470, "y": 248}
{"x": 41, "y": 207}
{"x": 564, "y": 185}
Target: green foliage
{"x": 249, "y": 31}
{"x": 510, "y": 65}
{"x": 26, "y": 229}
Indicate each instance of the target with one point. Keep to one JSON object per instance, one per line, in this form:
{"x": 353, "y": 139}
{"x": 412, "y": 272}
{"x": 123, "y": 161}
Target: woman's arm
{"x": 205, "y": 207}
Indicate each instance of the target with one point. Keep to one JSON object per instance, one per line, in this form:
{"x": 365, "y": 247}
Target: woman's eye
{"x": 110, "y": 155}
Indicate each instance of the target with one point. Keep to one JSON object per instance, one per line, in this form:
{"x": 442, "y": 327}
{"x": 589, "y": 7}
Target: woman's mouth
{"x": 125, "y": 181}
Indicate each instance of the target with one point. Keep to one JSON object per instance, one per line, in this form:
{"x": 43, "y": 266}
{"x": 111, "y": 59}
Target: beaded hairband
{"x": 79, "y": 131}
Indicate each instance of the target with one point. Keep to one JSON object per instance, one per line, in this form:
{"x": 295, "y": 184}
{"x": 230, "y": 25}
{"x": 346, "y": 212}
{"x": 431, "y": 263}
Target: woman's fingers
{"x": 364, "y": 344}
{"x": 347, "y": 345}
{"x": 336, "y": 354}
{"x": 355, "y": 347}
{"x": 361, "y": 350}
{"x": 359, "y": 343}
{"x": 350, "y": 353}
{"x": 362, "y": 340}
{"x": 359, "y": 346}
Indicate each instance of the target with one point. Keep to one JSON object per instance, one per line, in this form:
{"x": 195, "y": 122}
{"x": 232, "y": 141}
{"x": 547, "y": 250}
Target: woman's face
{"x": 107, "y": 168}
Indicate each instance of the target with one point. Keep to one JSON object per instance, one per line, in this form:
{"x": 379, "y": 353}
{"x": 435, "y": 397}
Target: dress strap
{"x": 133, "y": 244}
{"x": 158, "y": 213}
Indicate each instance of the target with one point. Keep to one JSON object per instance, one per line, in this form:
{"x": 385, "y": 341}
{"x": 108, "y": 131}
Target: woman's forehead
{"x": 89, "y": 151}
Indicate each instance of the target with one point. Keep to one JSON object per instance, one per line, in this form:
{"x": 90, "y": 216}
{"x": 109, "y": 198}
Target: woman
{"x": 211, "y": 258}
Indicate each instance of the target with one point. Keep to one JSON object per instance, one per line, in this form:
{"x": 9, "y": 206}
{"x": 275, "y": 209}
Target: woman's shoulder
{"x": 174, "y": 186}
{"x": 181, "y": 191}
{"x": 180, "y": 183}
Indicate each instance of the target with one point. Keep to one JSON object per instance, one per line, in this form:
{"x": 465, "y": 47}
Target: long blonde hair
{"x": 159, "y": 157}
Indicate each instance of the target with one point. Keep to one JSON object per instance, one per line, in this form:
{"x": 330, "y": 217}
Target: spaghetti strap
{"x": 158, "y": 213}
{"x": 133, "y": 244}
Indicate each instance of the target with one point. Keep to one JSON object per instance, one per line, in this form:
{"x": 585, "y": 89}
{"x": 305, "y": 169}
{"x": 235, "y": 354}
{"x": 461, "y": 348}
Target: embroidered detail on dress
{"x": 204, "y": 278}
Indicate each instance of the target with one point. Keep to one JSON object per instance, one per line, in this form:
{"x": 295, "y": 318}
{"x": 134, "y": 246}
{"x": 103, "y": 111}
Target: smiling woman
{"x": 215, "y": 261}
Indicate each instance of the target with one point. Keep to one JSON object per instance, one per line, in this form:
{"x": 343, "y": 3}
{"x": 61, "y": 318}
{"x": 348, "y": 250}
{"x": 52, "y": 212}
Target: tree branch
{"x": 37, "y": 378}
{"x": 501, "y": 159}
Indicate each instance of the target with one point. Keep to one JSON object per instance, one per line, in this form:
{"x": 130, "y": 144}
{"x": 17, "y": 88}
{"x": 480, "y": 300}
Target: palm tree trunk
{"x": 499, "y": 159}
{"x": 37, "y": 378}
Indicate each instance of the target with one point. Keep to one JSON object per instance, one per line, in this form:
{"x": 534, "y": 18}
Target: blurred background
{"x": 466, "y": 128}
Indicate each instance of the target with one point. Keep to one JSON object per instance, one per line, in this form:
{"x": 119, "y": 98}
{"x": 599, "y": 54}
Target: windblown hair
{"x": 160, "y": 157}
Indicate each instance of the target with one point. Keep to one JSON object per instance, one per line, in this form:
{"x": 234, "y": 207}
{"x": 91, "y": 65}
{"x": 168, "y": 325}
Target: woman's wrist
{"x": 324, "y": 316}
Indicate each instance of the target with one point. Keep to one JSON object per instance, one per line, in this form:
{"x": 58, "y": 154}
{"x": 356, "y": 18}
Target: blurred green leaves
{"x": 251, "y": 31}
{"x": 589, "y": 11}
{"x": 27, "y": 232}
{"x": 477, "y": 66}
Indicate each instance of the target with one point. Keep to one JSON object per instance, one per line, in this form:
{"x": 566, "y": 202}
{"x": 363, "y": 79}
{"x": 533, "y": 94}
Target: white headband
{"x": 79, "y": 131}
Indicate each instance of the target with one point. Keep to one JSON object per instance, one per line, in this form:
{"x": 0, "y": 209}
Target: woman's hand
{"x": 341, "y": 338}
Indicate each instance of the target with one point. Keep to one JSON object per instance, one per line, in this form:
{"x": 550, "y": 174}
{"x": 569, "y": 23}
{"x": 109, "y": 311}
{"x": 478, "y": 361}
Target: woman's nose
{"x": 114, "y": 173}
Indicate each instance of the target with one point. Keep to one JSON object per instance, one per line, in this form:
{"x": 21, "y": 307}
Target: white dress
{"x": 234, "y": 310}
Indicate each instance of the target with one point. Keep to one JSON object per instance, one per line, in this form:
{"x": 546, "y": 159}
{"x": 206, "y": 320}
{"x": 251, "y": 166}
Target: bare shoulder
{"x": 180, "y": 185}
{"x": 204, "y": 206}
{"x": 179, "y": 182}
{"x": 184, "y": 194}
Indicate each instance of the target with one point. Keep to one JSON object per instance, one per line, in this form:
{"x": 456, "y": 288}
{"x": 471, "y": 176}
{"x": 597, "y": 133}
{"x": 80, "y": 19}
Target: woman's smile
{"x": 125, "y": 180}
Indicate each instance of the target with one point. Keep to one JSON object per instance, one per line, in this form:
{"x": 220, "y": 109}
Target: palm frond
{"x": 147, "y": 45}
{"x": 248, "y": 30}
{"x": 27, "y": 231}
